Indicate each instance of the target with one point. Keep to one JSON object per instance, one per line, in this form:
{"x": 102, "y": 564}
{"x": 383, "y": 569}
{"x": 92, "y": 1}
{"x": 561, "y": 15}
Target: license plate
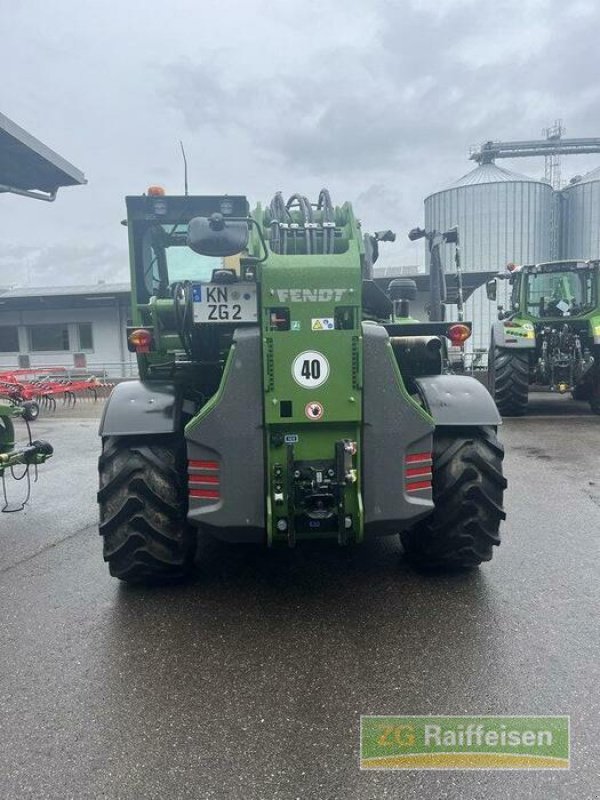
{"x": 218, "y": 303}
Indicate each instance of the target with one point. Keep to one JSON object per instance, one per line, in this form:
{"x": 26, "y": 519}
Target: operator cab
{"x": 559, "y": 289}
{"x": 177, "y": 239}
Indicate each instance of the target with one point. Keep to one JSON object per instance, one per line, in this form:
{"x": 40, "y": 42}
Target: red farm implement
{"x": 45, "y": 388}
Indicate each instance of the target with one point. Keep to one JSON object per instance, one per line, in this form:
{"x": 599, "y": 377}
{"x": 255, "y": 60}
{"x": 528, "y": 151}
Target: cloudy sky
{"x": 379, "y": 100}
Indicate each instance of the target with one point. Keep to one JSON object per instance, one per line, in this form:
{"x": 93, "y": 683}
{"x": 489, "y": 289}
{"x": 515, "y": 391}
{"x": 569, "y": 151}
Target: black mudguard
{"x": 226, "y": 453}
{"x": 141, "y": 409}
{"x": 458, "y": 400}
{"x": 397, "y": 436}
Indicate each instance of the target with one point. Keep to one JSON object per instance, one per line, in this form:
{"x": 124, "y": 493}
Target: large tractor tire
{"x": 593, "y": 385}
{"x": 509, "y": 380}
{"x": 594, "y": 396}
{"x": 143, "y": 509}
{"x": 468, "y": 486}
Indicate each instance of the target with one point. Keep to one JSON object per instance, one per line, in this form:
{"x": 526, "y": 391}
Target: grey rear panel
{"x": 138, "y": 409}
{"x": 458, "y": 400}
{"x": 226, "y": 451}
{"x": 395, "y": 436}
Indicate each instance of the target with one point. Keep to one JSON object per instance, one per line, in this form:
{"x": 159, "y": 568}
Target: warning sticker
{"x": 295, "y": 325}
{"x": 313, "y": 410}
{"x": 322, "y": 324}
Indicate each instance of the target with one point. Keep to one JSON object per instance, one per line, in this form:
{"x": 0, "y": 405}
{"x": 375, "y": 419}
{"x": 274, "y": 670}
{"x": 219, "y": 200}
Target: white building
{"x": 76, "y": 327}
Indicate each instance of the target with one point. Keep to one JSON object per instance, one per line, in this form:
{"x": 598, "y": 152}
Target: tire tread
{"x": 468, "y": 488}
{"x": 143, "y": 509}
{"x": 511, "y": 381}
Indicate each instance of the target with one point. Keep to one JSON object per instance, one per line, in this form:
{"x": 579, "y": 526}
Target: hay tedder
{"x": 13, "y": 454}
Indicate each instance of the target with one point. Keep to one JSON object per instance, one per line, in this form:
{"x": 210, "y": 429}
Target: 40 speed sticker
{"x": 310, "y": 369}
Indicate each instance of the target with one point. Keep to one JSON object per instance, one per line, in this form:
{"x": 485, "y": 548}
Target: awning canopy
{"x": 29, "y": 167}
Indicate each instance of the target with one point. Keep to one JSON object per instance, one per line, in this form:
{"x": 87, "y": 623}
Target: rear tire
{"x": 509, "y": 381}
{"x": 143, "y": 509}
{"x": 468, "y": 487}
{"x": 595, "y": 399}
{"x": 593, "y": 395}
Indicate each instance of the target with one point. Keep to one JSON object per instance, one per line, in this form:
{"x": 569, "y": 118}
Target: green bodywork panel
{"x": 317, "y": 294}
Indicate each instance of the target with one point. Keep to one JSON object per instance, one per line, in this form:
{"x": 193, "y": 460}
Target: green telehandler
{"x": 279, "y": 401}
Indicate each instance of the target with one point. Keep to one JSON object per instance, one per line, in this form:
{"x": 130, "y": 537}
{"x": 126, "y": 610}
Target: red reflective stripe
{"x": 203, "y": 464}
{"x": 420, "y": 485}
{"x": 410, "y": 459}
{"x": 418, "y": 471}
{"x": 207, "y": 494}
{"x": 193, "y": 479}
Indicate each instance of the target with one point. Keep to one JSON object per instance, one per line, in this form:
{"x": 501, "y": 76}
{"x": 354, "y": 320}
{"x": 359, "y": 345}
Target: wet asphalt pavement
{"x": 249, "y": 681}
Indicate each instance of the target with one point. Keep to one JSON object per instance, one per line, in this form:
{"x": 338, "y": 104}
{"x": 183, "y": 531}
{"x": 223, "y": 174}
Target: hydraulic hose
{"x": 184, "y": 314}
{"x": 279, "y": 214}
{"x": 325, "y": 203}
{"x": 307, "y": 217}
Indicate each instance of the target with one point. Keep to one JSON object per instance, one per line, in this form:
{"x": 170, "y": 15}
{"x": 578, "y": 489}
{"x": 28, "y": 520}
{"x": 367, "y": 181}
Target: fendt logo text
{"x": 310, "y": 295}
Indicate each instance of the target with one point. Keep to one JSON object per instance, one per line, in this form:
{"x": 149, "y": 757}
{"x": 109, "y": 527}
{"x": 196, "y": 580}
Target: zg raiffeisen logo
{"x": 447, "y": 742}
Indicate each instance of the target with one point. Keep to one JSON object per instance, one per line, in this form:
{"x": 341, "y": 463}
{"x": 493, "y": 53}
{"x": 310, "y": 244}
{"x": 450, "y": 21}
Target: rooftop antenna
{"x": 185, "y": 174}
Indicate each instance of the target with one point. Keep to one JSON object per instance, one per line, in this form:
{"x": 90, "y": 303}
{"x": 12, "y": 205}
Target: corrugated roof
{"x": 98, "y": 289}
{"x": 592, "y": 175}
{"x": 489, "y": 173}
{"x": 28, "y": 164}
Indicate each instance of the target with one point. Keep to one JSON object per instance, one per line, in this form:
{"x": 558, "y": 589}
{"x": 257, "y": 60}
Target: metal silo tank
{"x": 501, "y": 216}
{"x": 581, "y": 217}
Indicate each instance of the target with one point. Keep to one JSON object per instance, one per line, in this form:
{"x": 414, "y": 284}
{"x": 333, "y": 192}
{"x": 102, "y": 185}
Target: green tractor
{"x": 279, "y": 402}
{"x": 549, "y": 338}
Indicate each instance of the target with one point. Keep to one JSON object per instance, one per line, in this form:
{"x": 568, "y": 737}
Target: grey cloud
{"x": 378, "y": 100}
{"x": 357, "y": 109}
{"x": 61, "y": 264}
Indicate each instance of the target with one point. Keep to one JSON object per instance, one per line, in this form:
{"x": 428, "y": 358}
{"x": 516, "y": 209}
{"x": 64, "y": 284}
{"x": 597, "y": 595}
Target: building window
{"x": 9, "y": 339}
{"x": 86, "y": 339}
{"x": 48, "y": 338}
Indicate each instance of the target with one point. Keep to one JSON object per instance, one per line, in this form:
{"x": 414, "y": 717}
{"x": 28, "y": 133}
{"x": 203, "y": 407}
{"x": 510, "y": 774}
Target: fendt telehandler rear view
{"x": 549, "y": 338}
{"x": 279, "y": 402}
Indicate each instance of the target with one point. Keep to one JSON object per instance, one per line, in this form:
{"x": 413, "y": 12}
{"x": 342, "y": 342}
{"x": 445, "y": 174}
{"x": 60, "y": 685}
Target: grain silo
{"x": 580, "y": 228}
{"x": 502, "y": 216}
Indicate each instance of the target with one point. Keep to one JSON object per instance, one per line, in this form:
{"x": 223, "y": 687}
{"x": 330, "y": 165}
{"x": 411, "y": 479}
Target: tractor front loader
{"x": 278, "y": 400}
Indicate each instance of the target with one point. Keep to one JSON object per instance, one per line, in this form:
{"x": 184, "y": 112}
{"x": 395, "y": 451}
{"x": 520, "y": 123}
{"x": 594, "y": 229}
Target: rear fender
{"x": 135, "y": 408}
{"x": 458, "y": 400}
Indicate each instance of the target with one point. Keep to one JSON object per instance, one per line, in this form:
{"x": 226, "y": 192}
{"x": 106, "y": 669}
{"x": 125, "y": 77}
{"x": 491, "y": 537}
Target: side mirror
{"x": 217, "y": 236}
{"x": 490, "y": 289}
